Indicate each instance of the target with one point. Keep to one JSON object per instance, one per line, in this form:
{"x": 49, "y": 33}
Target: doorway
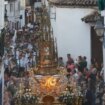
{"x": 48, "y": 100}
{"x": 96, "y": 47}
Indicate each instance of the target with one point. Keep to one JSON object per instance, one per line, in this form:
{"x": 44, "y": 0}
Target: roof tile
{"x": 74, "y": 2}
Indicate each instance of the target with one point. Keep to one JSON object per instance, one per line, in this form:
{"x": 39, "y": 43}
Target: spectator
{"x": 69, "y": 60}
{"x": 60, "y": 62}
{"x": 85, "y": 62}
{"x": 80, "y": 64}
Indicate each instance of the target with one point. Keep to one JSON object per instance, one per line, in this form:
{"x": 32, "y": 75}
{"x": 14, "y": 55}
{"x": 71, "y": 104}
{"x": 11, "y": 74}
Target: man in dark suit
{"x": 88, "y": 96}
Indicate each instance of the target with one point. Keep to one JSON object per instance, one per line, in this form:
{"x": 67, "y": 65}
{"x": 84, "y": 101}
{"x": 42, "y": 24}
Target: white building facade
{"x": 73, "y": 35}
{"x": 16, "y": 13}
{"x": 2, "y": 6}
{"x": 13, "y": 13}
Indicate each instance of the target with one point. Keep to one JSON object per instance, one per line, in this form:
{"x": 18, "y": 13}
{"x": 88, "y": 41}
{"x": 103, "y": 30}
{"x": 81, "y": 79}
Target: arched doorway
{"x": 48, "y": 100}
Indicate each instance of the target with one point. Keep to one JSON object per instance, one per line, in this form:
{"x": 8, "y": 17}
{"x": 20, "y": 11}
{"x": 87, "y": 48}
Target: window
{"x": 37, "y": 0}
{"x": 18, "y": 5}
{"x": 11, "y": 7}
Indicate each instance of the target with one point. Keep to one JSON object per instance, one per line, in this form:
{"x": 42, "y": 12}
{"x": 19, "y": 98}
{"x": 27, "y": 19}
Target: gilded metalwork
{"x": 48, "y": 54}
{"x": 47, "y": 80}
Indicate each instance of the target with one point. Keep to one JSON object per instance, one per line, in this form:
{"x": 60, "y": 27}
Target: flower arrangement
{"x": 69, "y": 97}
{"x": 27, "y": 98}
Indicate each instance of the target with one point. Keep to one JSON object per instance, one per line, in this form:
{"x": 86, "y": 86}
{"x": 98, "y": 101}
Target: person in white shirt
{"x": 21, "y": 66}
{"x": 34, "y": 57}
{"x": 6, "y": 61}
{"x": 102, "y": 72}
{"x": 29, "y": 25}
{"x": 27, "y": 54}
{"x": 17, "y": 53}
{"x": 75, "y": 75}
{"x": 21, "y": 62}
{"x": 30, "y": 47}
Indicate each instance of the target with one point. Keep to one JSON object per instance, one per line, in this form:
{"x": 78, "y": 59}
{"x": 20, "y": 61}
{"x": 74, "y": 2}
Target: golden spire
{"x": 47, "y": 61}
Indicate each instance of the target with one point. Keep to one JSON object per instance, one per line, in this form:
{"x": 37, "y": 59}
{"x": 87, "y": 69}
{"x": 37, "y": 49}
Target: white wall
{"x": 22, "y": 21}
{"x": 1, "y": 14}
{"x": 18, "y": 8}
{"x": 22, "y": 12}
{"x": 14, "y": 14}
{"x": 73, "y": 35}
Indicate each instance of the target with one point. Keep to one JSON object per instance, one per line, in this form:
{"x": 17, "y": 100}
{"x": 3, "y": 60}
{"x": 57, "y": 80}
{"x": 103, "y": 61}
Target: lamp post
{"x": 100, "y": 30}
{"x": 103, "y": 14}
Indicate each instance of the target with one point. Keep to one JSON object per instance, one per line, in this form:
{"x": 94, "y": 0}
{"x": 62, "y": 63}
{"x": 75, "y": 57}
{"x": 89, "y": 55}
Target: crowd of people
{"x": 19, "y": 56}
{"x": 20, "y": 49}
{"x": 91, "y": 79}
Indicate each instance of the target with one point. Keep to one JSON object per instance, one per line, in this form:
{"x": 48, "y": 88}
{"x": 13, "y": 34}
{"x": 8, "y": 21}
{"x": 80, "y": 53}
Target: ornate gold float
{"x": 48, "y": 84}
